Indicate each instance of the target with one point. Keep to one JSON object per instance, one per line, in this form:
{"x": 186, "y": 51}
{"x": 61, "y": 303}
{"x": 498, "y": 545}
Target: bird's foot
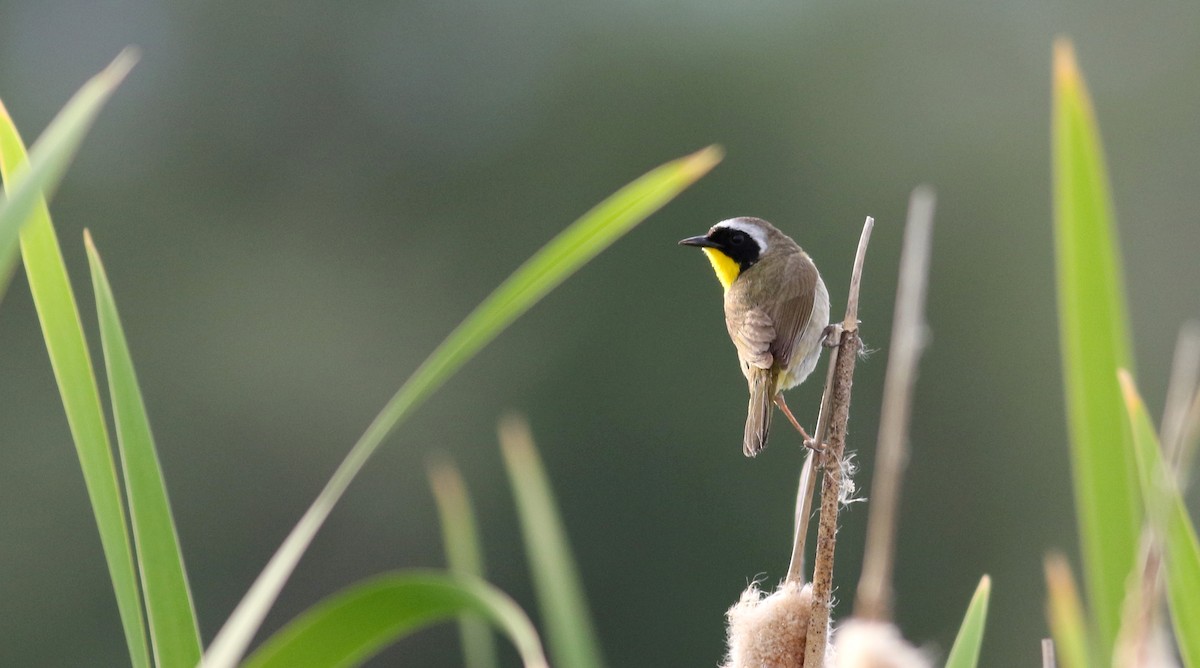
{"x": 809, "y": 441}
{"x": 831, "y": 337}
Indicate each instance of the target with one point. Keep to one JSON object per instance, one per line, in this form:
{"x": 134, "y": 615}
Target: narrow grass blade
{"x": 1169, "y": 515}
{"x": 174, "y": 635}
{"x": 356, "y": 623}
{"x": 50, "y": 156}
{"x": 561, "y": 600}
{"x": 1064, "y": 611}
{"x": 965, "y": 651}
{"x": 65, "y": 344}
{"x": 463, "y": 555}
{"x": 551, "y": 265}
{"x": 1095, "y": 343}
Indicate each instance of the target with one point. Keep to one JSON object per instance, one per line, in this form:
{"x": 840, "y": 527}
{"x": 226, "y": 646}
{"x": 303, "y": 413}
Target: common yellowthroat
{"x": 776, "y": 310}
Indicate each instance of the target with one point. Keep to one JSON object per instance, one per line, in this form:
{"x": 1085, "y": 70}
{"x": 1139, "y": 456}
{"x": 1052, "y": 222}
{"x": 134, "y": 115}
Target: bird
{"x": 776, "y": 311}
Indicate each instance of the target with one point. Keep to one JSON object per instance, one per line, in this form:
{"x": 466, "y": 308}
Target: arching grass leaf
{"x": 353, "y": 625}
{"x": 548, "y": 267}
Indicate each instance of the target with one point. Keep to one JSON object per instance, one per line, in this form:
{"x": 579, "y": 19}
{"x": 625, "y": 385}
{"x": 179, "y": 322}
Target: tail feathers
{"x": 758, "y": 415}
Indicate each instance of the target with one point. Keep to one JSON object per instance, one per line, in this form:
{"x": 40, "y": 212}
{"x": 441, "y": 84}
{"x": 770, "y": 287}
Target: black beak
{"x": 702, "y": 242}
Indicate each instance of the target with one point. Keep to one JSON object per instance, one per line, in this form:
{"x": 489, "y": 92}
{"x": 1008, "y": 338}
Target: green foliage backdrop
{"x": 296, "y": 202}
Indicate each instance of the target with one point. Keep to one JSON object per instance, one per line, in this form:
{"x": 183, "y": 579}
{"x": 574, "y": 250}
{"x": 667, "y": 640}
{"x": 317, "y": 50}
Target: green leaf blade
{"x": 174, "y": 634}
{"x": 463, "y": 555}
{"x": 965, "y": 651}
{"x": 561, "y": 600}
{"x": 51, "y": 154}
{"x": 353, "y": 625}
{"x": 1168, "y": 514}
{"x": 552, "y": 264}
{"x": 1095, "y": 343}
{"x": 1064, "y": 612}
{"x": 63, "y": 332}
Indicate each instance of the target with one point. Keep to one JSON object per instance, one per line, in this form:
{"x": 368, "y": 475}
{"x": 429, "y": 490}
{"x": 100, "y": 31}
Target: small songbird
{"x": 776, "y": 310}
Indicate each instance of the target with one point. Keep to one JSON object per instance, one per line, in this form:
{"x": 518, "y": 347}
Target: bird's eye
{"x": 737, "y": 239}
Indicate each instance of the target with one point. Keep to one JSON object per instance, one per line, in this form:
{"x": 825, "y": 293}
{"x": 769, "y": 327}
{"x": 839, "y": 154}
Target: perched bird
{"x": 776, "y": 310}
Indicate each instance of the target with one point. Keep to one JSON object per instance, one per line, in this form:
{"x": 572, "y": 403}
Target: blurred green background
{"x": 297, "y": 200}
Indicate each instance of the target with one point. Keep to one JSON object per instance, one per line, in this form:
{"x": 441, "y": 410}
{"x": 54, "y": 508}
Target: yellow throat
{"x": 726, "y": 268}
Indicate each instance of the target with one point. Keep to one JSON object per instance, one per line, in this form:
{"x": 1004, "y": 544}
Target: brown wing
{"x": 793, "y": 307}
{"x": 753, "y": 333}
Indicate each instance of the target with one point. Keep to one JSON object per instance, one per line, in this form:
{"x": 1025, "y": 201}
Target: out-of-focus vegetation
{"x": 296, "y": 203}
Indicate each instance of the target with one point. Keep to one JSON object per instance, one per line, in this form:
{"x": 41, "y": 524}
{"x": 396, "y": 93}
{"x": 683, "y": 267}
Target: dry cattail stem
{"x": 1048, "y": 660}
{"x": 831, "y": 493}
{"x": 1182, "y": 400}
{"x": 830, "y": 458}
{"x": 808, "y": 472}
{"x": 873, "y": 599}
{"x": 1140, "y": 621}
{"x": 808, "y": 481}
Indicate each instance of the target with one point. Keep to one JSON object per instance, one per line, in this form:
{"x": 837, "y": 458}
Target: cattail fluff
{"x": 860, "y": 643}
{"x": 769, "y": 631}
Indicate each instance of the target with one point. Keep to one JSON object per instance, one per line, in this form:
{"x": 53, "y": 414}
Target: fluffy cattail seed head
{"x": 769, "y": 631}
{"x": 859, "y": 643}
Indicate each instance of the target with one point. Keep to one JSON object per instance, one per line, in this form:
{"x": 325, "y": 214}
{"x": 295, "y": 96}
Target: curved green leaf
{"x": 463, "y": 555}
{"x": 356, "y": 623}
{"x": 63, "y": 332}
{"x": 551, "y": 265}
{"x": 1169, "y": 516}
{"x": 965, "y": 652}
{"x": 1095, "y": 343}
{"x": 561, "y": 599}
{"x": 53, "y": 151}
{"x": 174, "y": 634}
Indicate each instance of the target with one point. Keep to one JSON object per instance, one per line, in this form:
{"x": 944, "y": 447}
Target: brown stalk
{"x": 873, "y": 598}
{"x": 833, "y": 444}
{"x": 1182, "y": 400}
{"x": 808, "y": 482}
